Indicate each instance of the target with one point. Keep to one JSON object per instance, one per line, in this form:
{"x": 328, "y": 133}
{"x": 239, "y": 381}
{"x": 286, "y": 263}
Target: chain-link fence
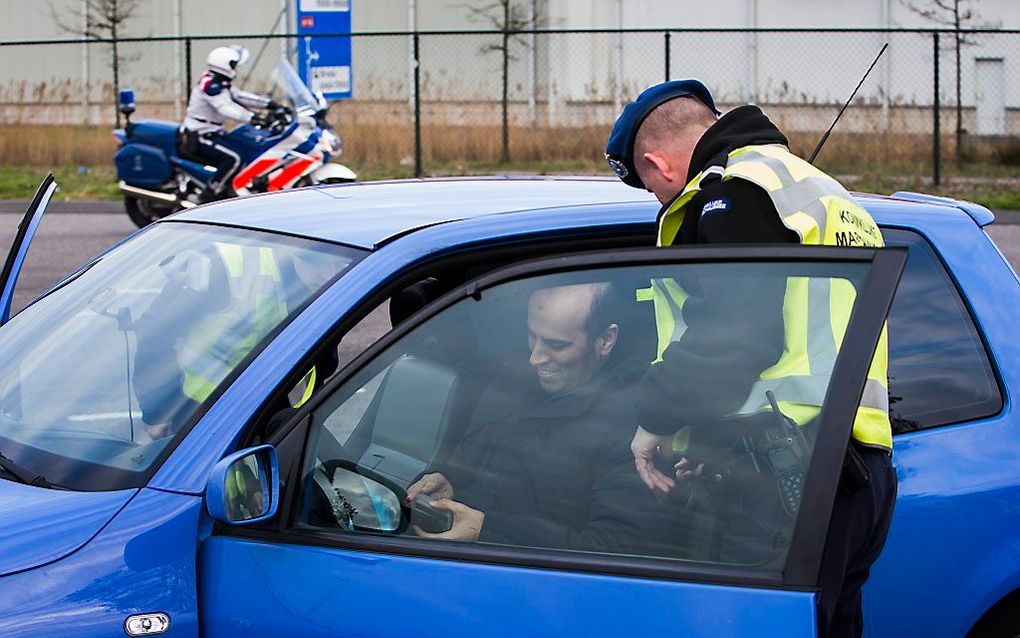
{"x": 449, "y": 102}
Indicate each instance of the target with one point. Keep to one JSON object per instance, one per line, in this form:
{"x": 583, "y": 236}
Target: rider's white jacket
{"x": 214, "y": 100}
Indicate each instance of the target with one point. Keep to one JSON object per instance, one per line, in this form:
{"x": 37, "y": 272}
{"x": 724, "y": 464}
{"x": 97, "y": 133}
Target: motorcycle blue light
{"x": 127, "y": 98}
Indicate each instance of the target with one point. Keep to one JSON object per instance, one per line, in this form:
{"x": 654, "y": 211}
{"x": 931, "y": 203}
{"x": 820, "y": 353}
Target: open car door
{"x": 553, "y": 532}
{"x": 19, "y": 249}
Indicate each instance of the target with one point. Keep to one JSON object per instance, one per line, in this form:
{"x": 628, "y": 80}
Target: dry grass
{"x": 49, "y": 146}
{"x": 35, "y": 145}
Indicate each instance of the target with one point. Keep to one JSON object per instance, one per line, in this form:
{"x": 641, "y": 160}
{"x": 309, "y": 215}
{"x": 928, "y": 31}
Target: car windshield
{"x": 104, "y": 373}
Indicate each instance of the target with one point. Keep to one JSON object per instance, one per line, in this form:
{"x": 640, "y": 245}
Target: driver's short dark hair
{"x": 605, "y": 309}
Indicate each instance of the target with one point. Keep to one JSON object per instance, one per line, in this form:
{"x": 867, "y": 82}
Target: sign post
{"x": 324, "y": 61}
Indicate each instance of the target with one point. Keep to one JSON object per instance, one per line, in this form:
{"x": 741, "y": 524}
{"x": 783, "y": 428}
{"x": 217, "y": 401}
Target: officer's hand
{"x": 645, "y": 447}
{"x": 467, "y": 522}
{"x": 435, "y": 485}
{"x": 686, "y": 469}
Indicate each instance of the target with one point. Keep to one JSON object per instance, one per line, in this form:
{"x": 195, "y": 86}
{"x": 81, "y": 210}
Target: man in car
{"x": 545, "y": 461}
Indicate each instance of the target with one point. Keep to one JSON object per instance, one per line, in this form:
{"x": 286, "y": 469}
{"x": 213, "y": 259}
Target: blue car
{"x": 404, "y": 408}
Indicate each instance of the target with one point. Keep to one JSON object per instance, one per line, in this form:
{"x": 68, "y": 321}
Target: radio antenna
{"x": 821, "y": 142}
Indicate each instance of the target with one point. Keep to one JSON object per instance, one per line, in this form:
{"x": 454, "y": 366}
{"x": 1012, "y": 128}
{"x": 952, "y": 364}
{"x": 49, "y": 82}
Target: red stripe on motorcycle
{"x": 290, "y": 174}
{"x": 244, "y": 178}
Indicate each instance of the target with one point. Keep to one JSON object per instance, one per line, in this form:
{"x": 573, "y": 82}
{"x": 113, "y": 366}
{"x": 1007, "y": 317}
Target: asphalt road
{"x": 72, "y": 232}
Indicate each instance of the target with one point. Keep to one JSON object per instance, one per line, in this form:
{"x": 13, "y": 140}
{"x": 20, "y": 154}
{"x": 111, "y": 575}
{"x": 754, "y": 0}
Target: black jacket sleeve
{"x": 734, "y": 326}
{"x": 621, "y": 515}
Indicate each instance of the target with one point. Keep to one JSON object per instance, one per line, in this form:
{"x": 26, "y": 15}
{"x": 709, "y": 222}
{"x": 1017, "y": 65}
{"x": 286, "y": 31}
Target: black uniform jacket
{"x": 734, "y": 329}
{"x": 556, "y": 471}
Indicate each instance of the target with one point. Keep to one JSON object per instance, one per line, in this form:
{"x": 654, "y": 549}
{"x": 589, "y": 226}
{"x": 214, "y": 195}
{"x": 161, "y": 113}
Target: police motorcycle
{"x": 288, "y": 147}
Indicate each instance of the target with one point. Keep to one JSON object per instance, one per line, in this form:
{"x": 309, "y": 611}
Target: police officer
{"x": 732, "y": 179}
{"x": 213, "y": 101}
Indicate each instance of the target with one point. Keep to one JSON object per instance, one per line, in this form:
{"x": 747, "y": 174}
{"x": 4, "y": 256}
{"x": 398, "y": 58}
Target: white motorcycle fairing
{"x": 332, "y": 172}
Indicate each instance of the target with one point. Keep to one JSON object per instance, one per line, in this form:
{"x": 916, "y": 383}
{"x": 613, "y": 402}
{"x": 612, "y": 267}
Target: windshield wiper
{"x": 23, "y": 474}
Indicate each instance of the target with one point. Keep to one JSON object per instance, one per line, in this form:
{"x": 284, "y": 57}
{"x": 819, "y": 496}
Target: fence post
{"x": 666, "y": 38}
{"x": 116, "y": 74}
{"x": 417, "y": 108}
{"x": 936, "y": 176}
{"x": 187, "y": 70}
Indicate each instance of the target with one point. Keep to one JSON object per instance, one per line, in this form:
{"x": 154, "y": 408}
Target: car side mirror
{"x": 244, "y": 487}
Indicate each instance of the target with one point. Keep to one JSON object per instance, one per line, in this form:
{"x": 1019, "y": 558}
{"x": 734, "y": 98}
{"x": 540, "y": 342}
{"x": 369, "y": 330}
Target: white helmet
{"x": 225, "y": 60}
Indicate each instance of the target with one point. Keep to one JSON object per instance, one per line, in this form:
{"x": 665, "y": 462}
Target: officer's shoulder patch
{"x": 212, "y": 86}
{"x": 716, "y": 205}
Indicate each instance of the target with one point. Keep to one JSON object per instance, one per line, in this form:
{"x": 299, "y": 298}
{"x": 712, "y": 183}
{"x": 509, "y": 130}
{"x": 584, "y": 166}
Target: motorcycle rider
{"x": 213, "y": 101}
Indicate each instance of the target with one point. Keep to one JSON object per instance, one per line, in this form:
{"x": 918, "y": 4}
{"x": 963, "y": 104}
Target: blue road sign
{"x": 324, "y": 63}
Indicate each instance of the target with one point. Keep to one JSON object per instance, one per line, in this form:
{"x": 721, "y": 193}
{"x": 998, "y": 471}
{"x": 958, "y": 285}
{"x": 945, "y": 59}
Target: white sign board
{"x": 325, "y": 5}
{"x": 331, "y": 79}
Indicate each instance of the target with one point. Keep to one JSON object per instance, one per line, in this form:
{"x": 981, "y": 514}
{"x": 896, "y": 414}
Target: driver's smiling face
{"x": 563, "y": 355}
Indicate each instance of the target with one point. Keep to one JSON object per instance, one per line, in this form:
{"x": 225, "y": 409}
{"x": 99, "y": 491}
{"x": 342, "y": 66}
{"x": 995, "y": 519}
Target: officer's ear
{"x": 661, "y": 163}
{"x": 606, "y": 341}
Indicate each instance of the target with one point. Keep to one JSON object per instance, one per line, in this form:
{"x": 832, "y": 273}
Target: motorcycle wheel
{"x": 143, "y": 212}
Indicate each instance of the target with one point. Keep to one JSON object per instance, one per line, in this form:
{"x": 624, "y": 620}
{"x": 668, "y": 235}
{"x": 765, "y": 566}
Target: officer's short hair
{"x": 670, "y": 121}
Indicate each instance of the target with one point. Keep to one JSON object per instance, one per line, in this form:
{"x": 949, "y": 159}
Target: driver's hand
{"x": 467, "y": 522}
{"x": 645, "y": 446}
{"x": 435, "y": 486}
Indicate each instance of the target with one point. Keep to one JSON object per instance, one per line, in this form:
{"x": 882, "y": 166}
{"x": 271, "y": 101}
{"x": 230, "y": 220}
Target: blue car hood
{"x": 38, "y": 526}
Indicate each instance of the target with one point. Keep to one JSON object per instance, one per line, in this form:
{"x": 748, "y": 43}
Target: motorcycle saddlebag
{"x": 142, "y": 165}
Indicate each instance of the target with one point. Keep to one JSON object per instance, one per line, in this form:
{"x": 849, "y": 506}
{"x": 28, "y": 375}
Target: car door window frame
{"x": 946, "y": 275}
{"x": 804, "y": 558}
{"x": 27, "y": 229}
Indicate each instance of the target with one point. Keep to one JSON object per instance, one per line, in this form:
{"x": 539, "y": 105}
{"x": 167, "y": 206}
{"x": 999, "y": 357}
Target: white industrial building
{"x": 555, "y": 79}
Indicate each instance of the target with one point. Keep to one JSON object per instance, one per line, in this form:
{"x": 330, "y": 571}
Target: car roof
{"x": 368, "y": 214}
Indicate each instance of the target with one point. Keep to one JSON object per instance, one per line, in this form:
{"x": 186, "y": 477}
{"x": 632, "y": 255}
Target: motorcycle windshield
{"x": 288, "y": 79}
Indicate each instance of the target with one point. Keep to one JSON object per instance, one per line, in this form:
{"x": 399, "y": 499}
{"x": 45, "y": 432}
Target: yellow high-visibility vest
{"x": 821, "y": 212}
{"x": 217, "y": 342}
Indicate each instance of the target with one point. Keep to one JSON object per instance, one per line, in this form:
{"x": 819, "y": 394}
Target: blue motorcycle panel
{"x": 159, "y": 133}
{"x": 142, "y": 165}
{"x": 194, "y": 168}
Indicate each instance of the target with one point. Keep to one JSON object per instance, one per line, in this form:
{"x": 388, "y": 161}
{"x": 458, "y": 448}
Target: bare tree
{"x": 103, "y": 20}
{"x": 957, "y": 14}
{"x": 510, "y": 18}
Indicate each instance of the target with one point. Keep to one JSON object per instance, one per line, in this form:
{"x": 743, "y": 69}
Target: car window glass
{"x": 516, "y": 411}
{"x": 140, "y": 340}
{"x": 939, "y": 371}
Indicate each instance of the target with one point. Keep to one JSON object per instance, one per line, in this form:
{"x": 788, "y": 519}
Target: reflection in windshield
{"x": 101, "y": 374}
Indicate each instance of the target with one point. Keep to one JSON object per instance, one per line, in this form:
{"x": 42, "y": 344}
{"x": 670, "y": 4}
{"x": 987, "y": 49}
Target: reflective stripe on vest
{"x": 219, "y": 341}
{"x": 815, "y": 311}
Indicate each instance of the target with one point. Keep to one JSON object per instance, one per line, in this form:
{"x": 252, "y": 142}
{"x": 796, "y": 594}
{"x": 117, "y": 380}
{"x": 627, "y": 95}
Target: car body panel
{"x": 947, "y": 560}
{"x": 39, "y": 526}
{"x": 465, "y": 599}
{"x": 143, "y": 561}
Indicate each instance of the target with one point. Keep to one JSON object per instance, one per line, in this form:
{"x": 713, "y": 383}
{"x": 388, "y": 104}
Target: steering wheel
{"x": 343, "y": 511}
